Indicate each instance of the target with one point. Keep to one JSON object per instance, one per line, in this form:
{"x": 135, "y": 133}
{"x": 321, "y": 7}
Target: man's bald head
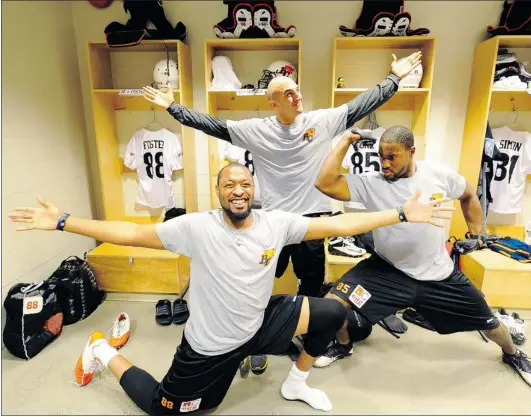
{"x": 285, "y": 99}
{"x": 278, "y": 85}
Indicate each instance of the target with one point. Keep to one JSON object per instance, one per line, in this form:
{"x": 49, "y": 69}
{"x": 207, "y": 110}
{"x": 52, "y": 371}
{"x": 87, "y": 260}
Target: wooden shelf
{"x": 483, "y": 98}
{"x": 104, "y": 74}
{"x": 514, "y": 41}
{"x": 131, "y": 102}
{"x": 249, "y": 58}
{"x": 500, "y": 100}
{"x": 147, "y": 45}
{"x": 404, "y": 99}
{"x": 282, "y": 44}
{"x": 229, "y": 100}
{"x": 406, "y": 42}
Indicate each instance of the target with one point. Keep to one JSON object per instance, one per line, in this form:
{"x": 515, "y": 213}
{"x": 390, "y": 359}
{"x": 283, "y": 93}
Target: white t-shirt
{"x": 232, "y": 272}
{"x": 362, "y": 160}
{"x": 154, "y": 155}
{"x": 510, "y": 170}
{"x": 417, "y": 249}
{"x": 244, "y": 157}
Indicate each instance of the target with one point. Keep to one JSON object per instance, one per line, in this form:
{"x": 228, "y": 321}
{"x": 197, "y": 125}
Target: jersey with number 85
{"x": 362, "y": 160}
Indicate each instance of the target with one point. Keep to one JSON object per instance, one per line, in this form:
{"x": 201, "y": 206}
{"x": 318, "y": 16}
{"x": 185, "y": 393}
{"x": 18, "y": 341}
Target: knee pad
{"x": 359, "y": 328}
{"x": 327, "y": 316}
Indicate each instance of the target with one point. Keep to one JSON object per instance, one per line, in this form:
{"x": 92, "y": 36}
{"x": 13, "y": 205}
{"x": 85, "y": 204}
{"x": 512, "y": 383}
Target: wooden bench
{"x": 140, "y": 270}
{"x": 337, "y": 266}
{"x": 504, "y": 281}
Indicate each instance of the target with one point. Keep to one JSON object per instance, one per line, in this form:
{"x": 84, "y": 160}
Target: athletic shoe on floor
{"x": 259, "y": 364}
{"x": 344, "y": 246}
{"x": 518, "y": 329}
{"x": 121, "y": 331}
{"x": 245, "y": 367}
{"x": 520, "y": 363}
{"x": 87, "y": 364}
{"x": 333, "y": 353}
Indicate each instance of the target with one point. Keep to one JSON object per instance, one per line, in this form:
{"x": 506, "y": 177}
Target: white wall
{"x": 43, "y": 135}
{"x": 457, "y": 26}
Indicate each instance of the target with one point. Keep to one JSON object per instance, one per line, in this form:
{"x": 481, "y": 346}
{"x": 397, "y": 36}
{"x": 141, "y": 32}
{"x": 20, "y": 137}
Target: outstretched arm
{"x": 355, "y": 223}
{"x": 373, "y": 98}
{"x": 206, "y": 123}
{"x": 116, "y": 232}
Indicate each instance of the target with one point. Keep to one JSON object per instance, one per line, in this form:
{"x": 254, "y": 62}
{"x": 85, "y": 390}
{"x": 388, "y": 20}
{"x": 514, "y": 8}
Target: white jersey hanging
{"x": 154, "y": 155}
{"x": 510, "y": 170}
{"x": 365, "y": 159}
{"x": 244, "y": 157}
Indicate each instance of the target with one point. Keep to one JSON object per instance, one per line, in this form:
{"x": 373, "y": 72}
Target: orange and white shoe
{"x": 121, "y": 330}
{"x": 87, "y": 364}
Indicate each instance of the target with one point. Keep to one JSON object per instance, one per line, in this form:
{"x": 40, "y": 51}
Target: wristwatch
{"x": 401, "y": 214}
{"x": 62, "y": 221}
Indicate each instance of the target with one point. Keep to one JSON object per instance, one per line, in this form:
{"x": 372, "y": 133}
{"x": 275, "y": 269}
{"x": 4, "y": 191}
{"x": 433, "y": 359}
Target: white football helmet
{"x": 166, "y": 72}
{"x": 284, "y": 68}
{"x": 413, "y": 79}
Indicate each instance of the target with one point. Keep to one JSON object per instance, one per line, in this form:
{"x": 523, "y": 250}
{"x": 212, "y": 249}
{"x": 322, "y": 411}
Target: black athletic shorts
{"x": 308, "y": 260}
{"x": 377, "y": 289}
{"x": 199, "y": 382}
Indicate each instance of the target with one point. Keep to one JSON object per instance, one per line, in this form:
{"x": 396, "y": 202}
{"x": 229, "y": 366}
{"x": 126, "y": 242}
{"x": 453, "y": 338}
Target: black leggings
{"x": 140, "y": 387}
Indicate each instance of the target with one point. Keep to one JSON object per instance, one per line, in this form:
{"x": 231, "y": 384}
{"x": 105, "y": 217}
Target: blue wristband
{"x": 62, "y": 221}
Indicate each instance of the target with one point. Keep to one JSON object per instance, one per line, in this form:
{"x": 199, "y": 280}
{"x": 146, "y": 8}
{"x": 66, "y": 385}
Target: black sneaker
{"x": 333, "y": 353}
{"x": 520, "y": 363}
{"x": 258, "y": 364}
{"x": 245, "y": 367}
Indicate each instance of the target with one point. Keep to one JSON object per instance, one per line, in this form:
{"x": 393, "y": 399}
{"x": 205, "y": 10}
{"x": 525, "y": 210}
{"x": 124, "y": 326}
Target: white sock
{"x": 295, "y": 388}
{"x": 104, "y": 353}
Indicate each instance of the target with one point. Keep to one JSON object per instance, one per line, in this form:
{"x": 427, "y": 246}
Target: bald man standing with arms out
{"x": 288, "y": 150}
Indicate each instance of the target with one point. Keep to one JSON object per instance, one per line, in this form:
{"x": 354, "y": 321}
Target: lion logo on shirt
{"x": 309, "y": 134}
{"x": 267, "y": 256}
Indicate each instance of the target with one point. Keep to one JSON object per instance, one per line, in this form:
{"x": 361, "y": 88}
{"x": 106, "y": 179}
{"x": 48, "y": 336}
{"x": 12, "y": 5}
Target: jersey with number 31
{"x": 510, "y": 168}
{"x": 365, "y": 159}
{"x": 154, "y": 155}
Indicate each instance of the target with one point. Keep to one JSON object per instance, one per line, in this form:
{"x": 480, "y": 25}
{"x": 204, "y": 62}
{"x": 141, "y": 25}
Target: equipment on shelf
{"x": 382, "y": 18}
{"x": 277, "y": 68}
{"x": 413, "y": 79}
{"x": 166, "y": 72}
{"x": 245, "y": 20}
{"x": 132, "y": 33}
{"x": 515, "y": 19}
{"x": 224, "y": 77}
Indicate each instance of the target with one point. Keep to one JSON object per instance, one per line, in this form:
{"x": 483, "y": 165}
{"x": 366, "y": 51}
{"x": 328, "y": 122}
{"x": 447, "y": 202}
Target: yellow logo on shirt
{"x": 436, "y": 196}
{"x": 267, "y": 256}
{"x": 309, "y": 134}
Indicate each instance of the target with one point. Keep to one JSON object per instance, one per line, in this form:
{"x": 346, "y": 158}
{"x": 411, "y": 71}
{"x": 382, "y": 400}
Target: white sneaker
{"x": 87, "y": 364}
{"x": 344, "y": 246}
{"x": 121, "y": 331}
{"x": 518, "y": 329}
